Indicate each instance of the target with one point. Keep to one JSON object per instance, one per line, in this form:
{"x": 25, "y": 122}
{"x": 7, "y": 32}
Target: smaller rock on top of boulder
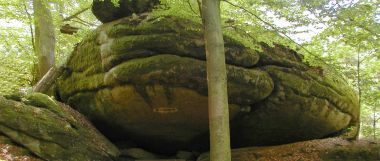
{"x": 107, "y": 11}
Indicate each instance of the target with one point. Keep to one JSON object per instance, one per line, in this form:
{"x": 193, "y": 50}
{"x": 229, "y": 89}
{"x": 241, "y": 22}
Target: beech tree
{"x": 220, "y": 149}
{"x": 44, "y": 36}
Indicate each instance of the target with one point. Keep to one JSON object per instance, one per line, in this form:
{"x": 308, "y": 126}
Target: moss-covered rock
{"x": 10, "y": 150}
{"x": 308, "y": 104}
{"x": 145, "y": 81}
{"x": 47, "y": 130}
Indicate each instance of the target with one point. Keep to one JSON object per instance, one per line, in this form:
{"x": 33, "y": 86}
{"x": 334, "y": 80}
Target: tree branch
{"x": 85, "y": 22}
{"x": 376, "y": 120}
{"x": 370, "y": 56}
{"x": 277, "y": 31}
{"x": 191, "y": 7}
{"x": 200, "y": 7}
{"x": 354, "y": 23}
{"x": 76, "y": 14}
{"x": 274, "y": 28}
{"x": 30, "y": 25}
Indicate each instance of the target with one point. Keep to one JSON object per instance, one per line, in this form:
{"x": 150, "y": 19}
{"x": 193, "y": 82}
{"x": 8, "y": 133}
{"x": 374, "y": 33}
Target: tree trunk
{"x": 217, "y": 82}
{"x": 359, "y": 91}
{"x": 47, "y": 80}
{"x": 374, "y": 122}
{"x": 374, "y": 125}
{"x": 44, "y": 37}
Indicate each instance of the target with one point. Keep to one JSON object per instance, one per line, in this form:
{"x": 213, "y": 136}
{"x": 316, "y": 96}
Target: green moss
{"x": 151, "y": 41}
{"x": 49, "y": 135}
{"x": 79, "y": 82}
{"x": 169, "y": 52}
{"x": 44, "y": 101}
{"x": 86, "y": 58}
{"x": 130, "y": 70}
{"x": 174, "y": 36}
{"x": 142, "y": 29}
{"x": 309, "y": 85}
{"x": 30, "y": 119}
{"x": 40, "y": 100}
{"x": 306, "y": 84}
{"x": 17, "y": 96}
{"x": 246, "y": 85}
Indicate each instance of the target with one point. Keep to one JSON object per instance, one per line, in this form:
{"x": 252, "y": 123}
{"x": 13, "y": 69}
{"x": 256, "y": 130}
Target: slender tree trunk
{"x": 374, "y": 123}
{"x": 200, "y": 7}
{"x": 35, "y": 65}
{"x": 359, "y": 91}
{"x": 44, "y": 36}
{"x": 30, "y": 24}
{"x": 220, "y": 149}
{"x": 376, "y": 120}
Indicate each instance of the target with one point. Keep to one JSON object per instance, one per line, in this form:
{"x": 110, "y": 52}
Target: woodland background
{"x": 340, "y": 36}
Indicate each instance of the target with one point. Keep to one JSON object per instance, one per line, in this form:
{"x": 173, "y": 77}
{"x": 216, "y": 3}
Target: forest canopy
{"x": 339, "y": 36}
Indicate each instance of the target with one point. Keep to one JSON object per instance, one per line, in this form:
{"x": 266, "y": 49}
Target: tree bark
{"x": 44, "y": 36}
{"x": 217, "y": 82}
{"x": 47, "y": 80}
{"x": 359, "y": 91}
{"x": 374, "y": 122}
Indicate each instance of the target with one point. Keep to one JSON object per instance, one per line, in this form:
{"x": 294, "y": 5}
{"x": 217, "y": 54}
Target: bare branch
{"x": 277, "y": 31}
{"x": 356, "y": 24}
{"x": 191, "y": 7}
{"x": 76, "y": 14}
{"x": 376, "y": 120}
{"x": 30, "y": 25}
{"x": 85, "y": 22}
{"x": 200, "y": 7}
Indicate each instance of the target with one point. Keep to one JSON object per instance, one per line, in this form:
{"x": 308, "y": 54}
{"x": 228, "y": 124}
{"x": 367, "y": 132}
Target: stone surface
{"x": 9, "y": 150}
{"x": 40, "y": 128}
{"x": 163, "y": 160}
{"x": 309, "y": 105}
{"x": 137, "y": 153}
{"x": 106, "y": 11}
{"x": 144, "y": 80}
{"x": 332, "y": 149}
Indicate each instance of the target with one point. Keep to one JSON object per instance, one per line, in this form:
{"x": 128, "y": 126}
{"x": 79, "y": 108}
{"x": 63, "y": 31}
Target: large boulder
{"x": 36, "y": 127}
{"x": 145, "y": 81}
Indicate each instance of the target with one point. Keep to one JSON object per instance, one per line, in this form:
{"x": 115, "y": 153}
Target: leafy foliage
{"x": 17, "y": 48}
{"x": 350, "y": 43}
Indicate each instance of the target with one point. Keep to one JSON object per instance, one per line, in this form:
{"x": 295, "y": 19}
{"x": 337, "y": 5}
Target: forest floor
{"x": 331, "y": 149}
